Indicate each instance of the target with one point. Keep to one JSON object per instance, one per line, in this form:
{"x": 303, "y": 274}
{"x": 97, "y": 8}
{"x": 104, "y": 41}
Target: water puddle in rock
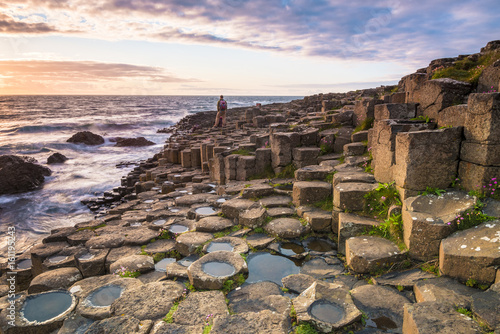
{"x": 291, "y": 249}
{"x": 105, "y": 296}
{"x": 177, "y": 228}
{"x": 159, "y": 222}
{"x": 267, "y": 267}
{"x": 148, "y": 201}
{"x": 46, "y": 306}
{"x": 162, "y": 265}
{"x": 187, "y": 261}
{"x": 24, "y": 264}
{"x": 382, "y": 322}
{"x": 135, "y": 224}
{"x": 326, "y": 312}
{"x": 218, "y": 269}
{"x": 221, "y": 200}
{"x": 183, "y": 191}
{"x": 212, "y": 185}
{"x": 57, "y": 258}
{"x": 205, "y": 210}
{"x": 319, "y": 245}
{"x": 86, "y": 257}
{"x": 175, "y": 210}
{"x": 219, "y": 246}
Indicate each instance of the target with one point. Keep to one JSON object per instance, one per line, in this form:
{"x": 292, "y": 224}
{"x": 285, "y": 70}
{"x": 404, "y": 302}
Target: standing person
{"x": 220, "y": 119}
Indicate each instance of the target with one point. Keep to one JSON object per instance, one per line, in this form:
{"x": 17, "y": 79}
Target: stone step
{"x": 351, "y": 225}
{"x": 354, "y": 149}
{"x": 310, "y": 192}
{"x": 359, "y": 177}
{"x": 359, "y": 136}
{"x": 320, "y": 220}
{"x": 368, "y": 254}
{"x": 426, "y": 218}
{"x": 314, "y": 172}
{"x": 472, "y": 253}
{"x": 350, "y": 195}
{"x": 305, "y": 156}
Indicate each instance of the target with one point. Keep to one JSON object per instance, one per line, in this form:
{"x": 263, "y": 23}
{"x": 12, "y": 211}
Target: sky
{"x": 231, "y": 47}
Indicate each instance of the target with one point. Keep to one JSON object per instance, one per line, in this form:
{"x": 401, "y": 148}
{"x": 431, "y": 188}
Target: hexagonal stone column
{"x": 305, "y": 192}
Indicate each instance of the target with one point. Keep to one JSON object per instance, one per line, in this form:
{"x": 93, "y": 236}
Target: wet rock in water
{"x": 297, "y": 283}
{"x": 321, "y": 268}
{"x": 149, "y": 301}
{"x": 383, "y": 305}
{"x": 251, "y": 322}
{"x": 139, "y": 141}
{"x": 20, "y": 174}
{"x": 56, "y": 158}
{"x": 120, "y": 325}
{"x": 75, "y": 323}
{"x": 60, "y": 278}
{"x": 195, "y": 308}
{"x": 436, "y": 318}
{"x": 87, "y": 138}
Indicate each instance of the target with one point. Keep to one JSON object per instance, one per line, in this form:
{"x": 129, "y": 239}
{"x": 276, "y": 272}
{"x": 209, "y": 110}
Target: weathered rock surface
{"x": 20, "y": 174}
{"x": 60, "y": 278}
{"x": 56, "y": 158}
{"x": 140, "y": 263}
{"x": 195, "y": 308}
{"x": 149, "y": 301}
{"x": 139, "y": 141}
{"x": 265, "y": 322}
{"x": 120, "y": 325}
{"x": 472, "y": 253}
{"x": 87, "y": 138}
{"x": 286, "y": 228}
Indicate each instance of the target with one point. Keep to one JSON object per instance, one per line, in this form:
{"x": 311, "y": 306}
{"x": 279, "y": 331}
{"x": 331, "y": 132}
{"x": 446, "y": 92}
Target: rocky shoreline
{"x": 361, "y": 212}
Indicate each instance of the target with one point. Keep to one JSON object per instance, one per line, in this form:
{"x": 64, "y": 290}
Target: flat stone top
{"x": 480, "y": 241}
{"x": 371, "y": 247}
{"x": 355, "y": 176}
{"x": 449, "y": 203}
{"x": 355, "y": 186}
{"x": 406, "y": 278}
{"x": 275, "y": 201}
{"x": 310, "y": 184}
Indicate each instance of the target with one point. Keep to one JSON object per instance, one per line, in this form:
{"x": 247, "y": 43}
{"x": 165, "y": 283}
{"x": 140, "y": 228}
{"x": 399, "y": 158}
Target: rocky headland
{"x": 372, "y": 211}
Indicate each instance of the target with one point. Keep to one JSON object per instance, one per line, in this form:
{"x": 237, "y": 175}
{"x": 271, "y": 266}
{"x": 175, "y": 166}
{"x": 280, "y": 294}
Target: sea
{"x": 38, "y": 126}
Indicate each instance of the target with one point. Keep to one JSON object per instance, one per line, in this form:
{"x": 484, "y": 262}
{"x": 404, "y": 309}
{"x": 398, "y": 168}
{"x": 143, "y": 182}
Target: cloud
{"x": 73, "y": 76}
{"x": 383, "y": 30}
{"x": 9, "y": 26}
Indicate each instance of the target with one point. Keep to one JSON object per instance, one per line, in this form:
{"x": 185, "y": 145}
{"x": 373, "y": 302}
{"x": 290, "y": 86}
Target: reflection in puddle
{"x": 382, "y": 322}
{"x": 219, "y": 246}
{"x": 24, "y": 264}
{"x": 57, "y": 258}
{"x": 267, "y": 267}
{"x": 105, "y": 296}
{"x": 218, "y": 269}
{"x": 291, "y": 249}
{"x": 177, "y": 228}
{"x": 162, "y": 265}
{"x": 319, "y": 245}
{"x": 205, "y": 210}
{"x": 326, "y": 312}
{"x": 46, "y": 306}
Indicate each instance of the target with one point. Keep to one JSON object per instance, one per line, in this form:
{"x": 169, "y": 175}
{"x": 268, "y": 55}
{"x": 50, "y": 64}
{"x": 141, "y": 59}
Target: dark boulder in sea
{"x": 140, "y": 141}
{"x": 86, "y": 137}
{"x": 56, "y": 158}
{"x": 20, "y": 174}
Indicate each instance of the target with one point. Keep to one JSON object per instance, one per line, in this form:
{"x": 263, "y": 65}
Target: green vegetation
{"x": 305, "y": 328}
{"x": 190, "y": 287}
{"x": 158, "y": 257}
{"x": 207, "y": 329}
{"x": 342, "y": 159}
{"x": 124, "y": 272}
{"x": 400, "y": 288}
{"x": 231, "y": 284}
{"x": 365, "y": 125}
{"x": 169, "y": 317}
{"x": 471, "y": 282}
{"x": 259, "y": 229}
{"x": 242, "y": 151}
{"x": 392, "y": 229}
{"x": 466, "y": 69}
{"x": 472, "y": 217}
{"x": 326, "y": 204}
{"x": 395, "y": 89}
{"x": 426, "y": 119}
{"x": 379, "y": 201}
{"x": 221, "y": 233}
{"x": 432, "y": 191}
{"x": 287, "y": 172}
{"x": 329, "y": 176}
{"x": 91, "y": 228}
{"x": 489, "y": 190}
{"x": 431, "y": 267}
{"x": 326, "y": 146}
{"x": 464, "y": 311}
{"x": 303, "y": 221}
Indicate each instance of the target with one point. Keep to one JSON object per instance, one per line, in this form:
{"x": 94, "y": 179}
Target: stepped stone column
{"x": 480, "y": 153}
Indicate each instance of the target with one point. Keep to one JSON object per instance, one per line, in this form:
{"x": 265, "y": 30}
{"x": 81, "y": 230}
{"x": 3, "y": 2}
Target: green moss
{"x": 242, "y": 151}
{"x": 378, "y": 201}
{"x": 268, "y": 173}
{"x": 169, "y": 317}
{"x": 207, "y": 329}
{"x": 158, "y": 257}
{"x": 329, "y": 176}
{"x": 431, "y": 267}
{"x": 326, "y": 204}
{"x": 392, "y": 229}
{"x": 287, "y": 172}
{"x": 259, "y": 229}
{"x": 91, "y": 228}
{"x": 365, "y": 125}
{"x": 305, "y": 328}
